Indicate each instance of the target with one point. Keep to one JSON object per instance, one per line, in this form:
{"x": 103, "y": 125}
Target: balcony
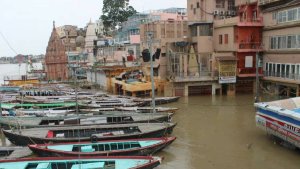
{"x": 278, "y": 76}
{"x": 249, "y": 72}
{"x": 266, "y": 2}
{"x": 203, "y": 76}
{"x": 251, "y": 21}
{"x": 239, "y": 21}
{"x": 249, "y": 46}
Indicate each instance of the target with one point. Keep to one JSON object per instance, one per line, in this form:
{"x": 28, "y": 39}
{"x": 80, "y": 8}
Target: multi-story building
{"x": 165, "y": 36}
{"x": 237, "y": 42}
{"x": 226, "y": 36}
{"x": 281, "y": 40}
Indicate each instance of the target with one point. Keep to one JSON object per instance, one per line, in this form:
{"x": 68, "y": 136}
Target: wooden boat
{"x": 83, "y": 120}
{"x": 14, "y": 152}
{"x": 86, "y": 133}
{"x": 147, "y": 109}
{"x": 42, "y": 112}
{"x": 41, "y": 106}
{"x": 158, "y": 100}
{"x": 102, "y": 162}
{"x": 130, "y": 147}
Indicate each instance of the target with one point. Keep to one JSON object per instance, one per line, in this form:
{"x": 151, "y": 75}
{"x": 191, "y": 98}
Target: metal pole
{"x": 257, "y": 78}
{"x": 150, "y": 36}
{"x": 76, "y": 97}
{"x": 0, "y": 109}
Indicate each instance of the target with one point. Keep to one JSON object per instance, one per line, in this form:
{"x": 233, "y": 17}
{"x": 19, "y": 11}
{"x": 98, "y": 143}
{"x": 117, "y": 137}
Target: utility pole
{"x": 257, "y": 78}
{"x": 150, "y": 41}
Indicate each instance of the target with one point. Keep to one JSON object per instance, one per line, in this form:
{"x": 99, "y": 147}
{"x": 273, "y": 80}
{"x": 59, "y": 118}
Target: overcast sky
{"x": 27, "y": 24}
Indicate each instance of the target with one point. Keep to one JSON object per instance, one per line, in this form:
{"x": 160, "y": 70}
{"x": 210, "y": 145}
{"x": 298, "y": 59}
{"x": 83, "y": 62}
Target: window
{"x": 226, "y": 39}
{"x": 220, "y": 3}
{"x": 273, "y": 43}
{"x": 292, "y": 15}
{"x": 291, "y": 42}
{"x": 220, "y": 39}
{"x": 298, "y": 41}
{"x": 194, "y": 31}
{"x": 287, "y": 15}
{"x": 194, "y": 11}
{"x": 192, "y": 6}
{"x": 285, "y": 42}
{"x": 274, "y": 15}
{"x": 198, "y": 5}
{"x": 231, "y": 5}
{"x": 206, "y": 30}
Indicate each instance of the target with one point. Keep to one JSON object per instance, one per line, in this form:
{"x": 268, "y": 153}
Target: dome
{"x": 80, "y": 41}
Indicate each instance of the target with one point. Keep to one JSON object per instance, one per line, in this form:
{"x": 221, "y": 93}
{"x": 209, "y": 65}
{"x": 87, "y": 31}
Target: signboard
{"x": 248, "y": 61}
{"x": 227, "y": 72}
{"x": 227, "y": 79}
{"x": 280, "y": 129}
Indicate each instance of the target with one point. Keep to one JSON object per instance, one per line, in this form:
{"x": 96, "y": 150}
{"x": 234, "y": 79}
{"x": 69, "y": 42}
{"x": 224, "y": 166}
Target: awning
{"x": 226, "y": 58}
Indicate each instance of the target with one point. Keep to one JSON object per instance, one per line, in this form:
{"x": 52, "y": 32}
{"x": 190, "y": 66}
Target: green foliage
{"x": 114, "y": 12}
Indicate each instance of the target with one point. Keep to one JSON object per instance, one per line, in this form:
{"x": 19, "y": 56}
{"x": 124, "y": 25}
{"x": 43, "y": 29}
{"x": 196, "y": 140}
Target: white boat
{"x": 41, "y": 112}
{"x": 281, "y": 119}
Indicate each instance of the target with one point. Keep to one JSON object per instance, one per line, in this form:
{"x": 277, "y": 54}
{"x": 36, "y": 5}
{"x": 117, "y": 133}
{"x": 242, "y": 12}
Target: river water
{"x": 15, "y": 70}
{"x": 218, "y": 132}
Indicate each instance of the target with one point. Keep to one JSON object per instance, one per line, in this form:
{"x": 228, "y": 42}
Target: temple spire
{"x": 53, "y": 24}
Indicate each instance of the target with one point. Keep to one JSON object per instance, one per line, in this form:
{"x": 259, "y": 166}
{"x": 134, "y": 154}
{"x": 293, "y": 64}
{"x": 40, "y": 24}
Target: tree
{"x": 114, "y": 12}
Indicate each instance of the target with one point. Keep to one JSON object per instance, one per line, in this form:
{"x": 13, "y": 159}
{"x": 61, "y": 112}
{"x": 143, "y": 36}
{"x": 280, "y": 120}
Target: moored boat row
{"x": 105, "y": 131}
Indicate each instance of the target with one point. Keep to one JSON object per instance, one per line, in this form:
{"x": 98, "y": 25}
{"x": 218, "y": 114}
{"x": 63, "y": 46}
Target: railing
{"x": 288, "y": 76}
{"x": 249, "y": 45}
{"x": 249, "y": 71}
{"x": 264, "y": 2}
{"x": 199, "y": 76}
{"x": 251, "y": 20}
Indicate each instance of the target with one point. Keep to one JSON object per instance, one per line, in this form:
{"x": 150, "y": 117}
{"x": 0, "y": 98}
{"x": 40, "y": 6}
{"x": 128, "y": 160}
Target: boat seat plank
{"x": 61, "y": 147}
{"x": 44, "y": 166}
{"x": 95, "y": 165}
{"x": 148, "y": 143}
{"x": 121, "y": 164}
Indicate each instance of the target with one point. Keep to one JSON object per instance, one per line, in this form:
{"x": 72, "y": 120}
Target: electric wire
{"x": 8, "y": 44}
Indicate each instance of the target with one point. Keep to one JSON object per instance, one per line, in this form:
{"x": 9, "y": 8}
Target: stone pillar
{"x": 186, "y": 90}
{"x": 213, "y": 89}
{"x": 231, "y": 90}
{"x": 185, "y": 64}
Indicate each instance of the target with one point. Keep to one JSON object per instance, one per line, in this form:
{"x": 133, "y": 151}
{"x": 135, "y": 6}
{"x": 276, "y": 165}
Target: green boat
{"x": 38, "y": 105}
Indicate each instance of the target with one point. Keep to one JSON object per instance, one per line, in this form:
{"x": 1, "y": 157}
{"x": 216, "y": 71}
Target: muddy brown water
{"x": 219, "y": 132}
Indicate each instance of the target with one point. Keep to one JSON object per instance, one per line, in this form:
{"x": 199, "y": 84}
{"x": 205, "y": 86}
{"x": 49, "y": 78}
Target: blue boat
{"x": 281, "y": 119}
{"x": 82, "y": 163}
{"x": 128, "y": 147}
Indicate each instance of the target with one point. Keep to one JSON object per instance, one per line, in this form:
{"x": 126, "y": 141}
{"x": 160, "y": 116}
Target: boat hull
{"x": 23, "y": 140}
{"x": 143, "y": 151}
{"x": 149, "y": 162}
